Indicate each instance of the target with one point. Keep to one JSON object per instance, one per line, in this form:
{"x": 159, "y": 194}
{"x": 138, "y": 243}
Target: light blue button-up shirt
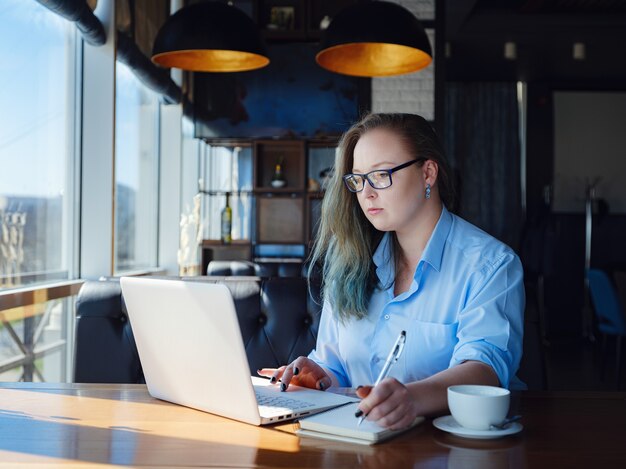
{"x": 466, "y": 302}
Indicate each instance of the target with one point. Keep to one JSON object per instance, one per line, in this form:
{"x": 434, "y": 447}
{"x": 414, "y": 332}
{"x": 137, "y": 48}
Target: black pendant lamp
{"x": 210, "y": 37}
{"x": 374, "y": 39}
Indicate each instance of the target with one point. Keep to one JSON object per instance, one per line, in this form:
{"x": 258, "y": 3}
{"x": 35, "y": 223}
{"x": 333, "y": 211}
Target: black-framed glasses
{"x": 378, "y": 179}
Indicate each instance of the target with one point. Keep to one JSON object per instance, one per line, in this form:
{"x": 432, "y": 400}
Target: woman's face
{"x": 397, "y": 207}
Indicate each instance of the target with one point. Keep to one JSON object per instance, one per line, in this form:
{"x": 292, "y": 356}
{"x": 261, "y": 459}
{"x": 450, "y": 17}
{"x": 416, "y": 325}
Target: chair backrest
{"x": 105, "y": 346}
{"x": 606, "y": 302}
{"x": 227, "y": 268}
{"x": 277, "y": 316}
{"x": 259, "y": 269}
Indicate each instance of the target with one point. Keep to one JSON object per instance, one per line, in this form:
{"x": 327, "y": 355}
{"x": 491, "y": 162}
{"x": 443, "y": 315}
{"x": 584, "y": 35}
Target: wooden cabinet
{"x": 284, "y": 214}
{"x": 280, "y": 208}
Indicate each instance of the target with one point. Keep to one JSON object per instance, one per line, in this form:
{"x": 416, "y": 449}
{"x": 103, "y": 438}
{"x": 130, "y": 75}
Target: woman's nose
{"x": 368, "y": 190}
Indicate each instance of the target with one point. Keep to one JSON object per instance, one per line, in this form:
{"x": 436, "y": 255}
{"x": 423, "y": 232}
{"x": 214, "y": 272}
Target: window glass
{"x": 24, "y": 330}
{"x": 136, "y": 172}
{"x": 37, "y": 103}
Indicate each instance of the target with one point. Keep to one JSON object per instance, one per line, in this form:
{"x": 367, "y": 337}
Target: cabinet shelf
{"x": 223, "y": 192}
{"x": 217, "y": 242}
{"x": 272, "y": 190}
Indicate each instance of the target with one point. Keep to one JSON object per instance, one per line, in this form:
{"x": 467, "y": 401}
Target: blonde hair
{"x": 346, "y": 240}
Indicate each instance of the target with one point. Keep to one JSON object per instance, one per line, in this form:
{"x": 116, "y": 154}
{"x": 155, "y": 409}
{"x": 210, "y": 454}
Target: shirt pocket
{"x": 428, "y": 348}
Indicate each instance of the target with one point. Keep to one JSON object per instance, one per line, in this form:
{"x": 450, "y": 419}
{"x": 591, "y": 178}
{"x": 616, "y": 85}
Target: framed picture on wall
{"x": 282, "y": 15}
{"x": 283, "y": 18}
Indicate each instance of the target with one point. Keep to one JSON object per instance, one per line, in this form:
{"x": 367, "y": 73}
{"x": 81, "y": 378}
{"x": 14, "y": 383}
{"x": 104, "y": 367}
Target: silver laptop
{"x": 192, "y": 354}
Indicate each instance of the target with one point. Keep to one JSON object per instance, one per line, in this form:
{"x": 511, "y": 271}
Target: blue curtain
{"x": 482, "y": 144}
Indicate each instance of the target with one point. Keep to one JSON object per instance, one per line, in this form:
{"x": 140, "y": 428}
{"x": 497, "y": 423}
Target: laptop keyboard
{"x": 270, "y": 404}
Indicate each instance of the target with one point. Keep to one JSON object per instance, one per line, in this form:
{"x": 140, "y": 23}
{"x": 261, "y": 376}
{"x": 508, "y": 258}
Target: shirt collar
{"x": 433, "y": 253}
{"x": 383, "y": 259}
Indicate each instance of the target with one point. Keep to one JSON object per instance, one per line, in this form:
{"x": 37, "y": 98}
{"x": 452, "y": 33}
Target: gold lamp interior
{"x": 373, "y": 59}
{"x": 200, "y": 60}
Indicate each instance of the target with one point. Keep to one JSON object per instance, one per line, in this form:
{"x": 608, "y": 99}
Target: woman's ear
{"x": 430, "y": 170}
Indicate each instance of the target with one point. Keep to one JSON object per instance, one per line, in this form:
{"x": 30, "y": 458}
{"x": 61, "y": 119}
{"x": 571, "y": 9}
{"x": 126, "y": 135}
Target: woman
{"x": 395, "y": 259}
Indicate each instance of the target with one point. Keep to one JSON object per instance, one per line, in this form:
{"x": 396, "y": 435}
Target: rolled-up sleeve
{"x": 490, "y": 325}
{"x": 326, "y": 352}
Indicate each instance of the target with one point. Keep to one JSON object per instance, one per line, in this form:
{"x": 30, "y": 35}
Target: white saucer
{"x": 448, "y": 424}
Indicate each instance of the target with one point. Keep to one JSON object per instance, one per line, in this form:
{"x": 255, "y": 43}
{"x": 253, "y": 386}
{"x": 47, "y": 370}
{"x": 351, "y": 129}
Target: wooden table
{"x": 91, "y": 425}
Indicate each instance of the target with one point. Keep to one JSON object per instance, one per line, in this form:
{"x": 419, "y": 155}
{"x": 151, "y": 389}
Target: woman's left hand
{"x": 389, "y": 404}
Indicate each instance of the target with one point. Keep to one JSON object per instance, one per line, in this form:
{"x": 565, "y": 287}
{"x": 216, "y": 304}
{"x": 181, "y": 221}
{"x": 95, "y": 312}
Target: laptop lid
{"x": 190, "y": 345}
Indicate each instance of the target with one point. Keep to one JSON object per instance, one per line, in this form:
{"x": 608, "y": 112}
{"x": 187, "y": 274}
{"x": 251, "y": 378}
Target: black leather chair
{"x": 259, "y": 269}
{"x": 278, "y": 319}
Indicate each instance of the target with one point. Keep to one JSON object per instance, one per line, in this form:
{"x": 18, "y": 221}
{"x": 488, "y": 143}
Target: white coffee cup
{"x": 478, "y": 407}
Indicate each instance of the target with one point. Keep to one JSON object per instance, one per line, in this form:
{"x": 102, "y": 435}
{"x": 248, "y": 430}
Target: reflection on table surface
{"x": 122, "y": 425}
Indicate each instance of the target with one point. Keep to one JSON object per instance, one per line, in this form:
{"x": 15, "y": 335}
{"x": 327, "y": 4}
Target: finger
{"x": 293, "y": 372}
{"x": 405, "y": 421}
{"x": 324, "y": 382}
{"x": 397, "y": 410}
{"x": 285, "y": 379}
{"x": 309, "y": 374}
{"x": 267, "y": 372}
{"x": 278, "y": 373}
{"x": 388, "y": 416}
{"x": 378, "y": 394}
{"x": 363, "y": 391}
{"x": 299, "y": 364}
{"x": 299, "y": 370}
{"x": 383, "y": 408}
{"x": 401, "y": 417}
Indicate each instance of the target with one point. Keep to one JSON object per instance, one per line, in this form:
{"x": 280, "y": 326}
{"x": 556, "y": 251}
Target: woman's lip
{"x": 374, "y": 211}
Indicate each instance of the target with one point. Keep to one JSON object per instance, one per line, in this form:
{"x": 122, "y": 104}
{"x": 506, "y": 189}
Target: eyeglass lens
{"x": 377, "y": 179}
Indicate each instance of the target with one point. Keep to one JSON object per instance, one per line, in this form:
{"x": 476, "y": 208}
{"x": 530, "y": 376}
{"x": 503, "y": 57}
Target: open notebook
{"x": 340, "y": 424}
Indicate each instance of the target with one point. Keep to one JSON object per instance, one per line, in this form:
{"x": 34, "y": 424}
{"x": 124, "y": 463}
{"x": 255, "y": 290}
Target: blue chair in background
{"x": 609, "y": 311}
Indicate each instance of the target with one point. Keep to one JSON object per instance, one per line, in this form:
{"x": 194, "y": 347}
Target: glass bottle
{"x": 227, "y": 221}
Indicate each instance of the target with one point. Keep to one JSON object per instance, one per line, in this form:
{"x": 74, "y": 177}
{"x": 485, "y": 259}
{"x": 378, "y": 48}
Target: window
{"x": 136, "y": 172}
{"x": 38, "y": 189}
{"x": 37, "y": 141}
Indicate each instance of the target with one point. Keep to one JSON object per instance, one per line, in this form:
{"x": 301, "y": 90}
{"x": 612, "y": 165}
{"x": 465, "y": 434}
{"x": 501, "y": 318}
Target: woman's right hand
{"x": 301, "y": 372}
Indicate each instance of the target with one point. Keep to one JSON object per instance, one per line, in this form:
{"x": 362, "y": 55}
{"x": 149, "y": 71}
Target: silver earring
{"x": 427, "y": 191}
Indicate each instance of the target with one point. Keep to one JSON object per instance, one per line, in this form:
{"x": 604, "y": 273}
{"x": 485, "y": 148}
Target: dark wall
{"x": 555, "y": 248}
{"x": 561, "y": 236}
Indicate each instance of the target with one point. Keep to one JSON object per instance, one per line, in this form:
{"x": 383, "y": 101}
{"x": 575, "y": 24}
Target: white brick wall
{"x": 413, "y": 92}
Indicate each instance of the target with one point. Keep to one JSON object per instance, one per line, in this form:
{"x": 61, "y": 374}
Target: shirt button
{"x": 386, "y": 316}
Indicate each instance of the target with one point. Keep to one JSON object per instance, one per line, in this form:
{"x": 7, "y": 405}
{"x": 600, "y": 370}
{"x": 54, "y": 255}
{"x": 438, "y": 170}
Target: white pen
{"x": 395, "y": 353}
